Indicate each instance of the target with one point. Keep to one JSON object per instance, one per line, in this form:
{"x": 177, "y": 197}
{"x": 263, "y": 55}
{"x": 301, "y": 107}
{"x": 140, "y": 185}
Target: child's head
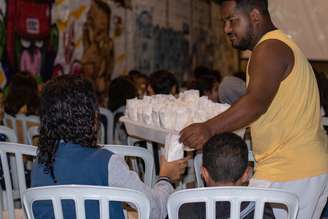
{"x": 23, "y": 91}
{"x": 225, "y": 161}
{"x": 140, "y": 81}
{"x": 120, "y": 90}
{"x": 208, "y": 86}
{"x": 163, "y": 82}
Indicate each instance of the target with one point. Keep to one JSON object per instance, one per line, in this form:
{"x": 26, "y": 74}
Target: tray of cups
{"x": 155, "y": 134}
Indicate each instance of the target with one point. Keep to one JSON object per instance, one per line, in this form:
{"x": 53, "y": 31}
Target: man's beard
{"x": 245, "y": 43}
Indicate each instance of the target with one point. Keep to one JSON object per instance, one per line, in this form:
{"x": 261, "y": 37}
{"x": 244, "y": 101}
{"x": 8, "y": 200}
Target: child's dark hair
{"x": 120, "y": 90}
{"x": 23, "y": 90}
{"x": 225, "y": 156}
{"x": 205, "y": 84}
{"x": 163, "y": 81}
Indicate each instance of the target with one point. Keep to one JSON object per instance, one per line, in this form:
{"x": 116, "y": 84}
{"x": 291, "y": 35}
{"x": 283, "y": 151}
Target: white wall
{"x": 306, "y": 21}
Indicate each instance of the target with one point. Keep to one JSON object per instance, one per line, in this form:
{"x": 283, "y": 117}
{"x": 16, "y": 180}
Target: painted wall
{"x": 103, "y": 39}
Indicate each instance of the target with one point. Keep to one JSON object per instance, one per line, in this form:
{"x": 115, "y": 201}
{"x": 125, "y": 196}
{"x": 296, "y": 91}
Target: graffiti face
{"x": 30, "y": 57}
{"x": 31, "y": 43}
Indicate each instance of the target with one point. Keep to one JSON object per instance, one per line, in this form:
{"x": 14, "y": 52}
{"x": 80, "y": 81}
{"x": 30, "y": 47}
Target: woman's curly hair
{"x": 69, "y": 113}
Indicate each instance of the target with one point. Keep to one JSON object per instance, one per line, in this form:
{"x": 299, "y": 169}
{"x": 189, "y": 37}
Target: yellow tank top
{"x": 288, "y": 140}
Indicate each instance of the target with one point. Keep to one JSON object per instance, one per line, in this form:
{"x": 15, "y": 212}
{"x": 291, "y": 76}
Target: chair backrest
{"x": 18, "y": 150}
{"x": 119, "y": 110}
{"x": 10, "y": 137}
{"x": 101, "y": 136}
{"x": 132, "y": 151}
{"x": 25, "y": 121}
{"x": 81, "y": 193}
{"x": 109, "y": 124}
{"x": 198, "y": 161}
{"x": 32, "y": 132}
{"x": 9, "y": 133}
{"x": 234, "y": 195}
{"x": 9, "y": 121}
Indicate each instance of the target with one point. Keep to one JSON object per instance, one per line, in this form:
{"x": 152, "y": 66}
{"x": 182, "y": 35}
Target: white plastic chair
{"x": 110, "y": 124}
{"x": 81, "y": 193}
{"x": 10, "y": 122}
{"x": 11, "y": 137}
{"x": 9, "y": 133}
{"x": 235, "y": 195}
{"x": 119, "y": 110}
{"x": 26, "y": 122}
{"x": 198, "y": 161}
{"x": 132, "y": 151}
{"x": 18, "y": 150}
{"x": 32, "y": 132}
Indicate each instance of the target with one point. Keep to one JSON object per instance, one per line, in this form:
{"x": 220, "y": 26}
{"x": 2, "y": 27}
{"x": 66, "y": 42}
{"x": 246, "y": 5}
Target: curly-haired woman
{"x": 69, "y": 154}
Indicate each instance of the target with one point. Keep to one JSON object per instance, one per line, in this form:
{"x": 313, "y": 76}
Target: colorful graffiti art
{"x": 31, "y": 40}
{"x": 98, "y": 56}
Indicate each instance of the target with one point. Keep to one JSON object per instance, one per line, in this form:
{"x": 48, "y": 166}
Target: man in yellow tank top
{"x": 281, "y": 106}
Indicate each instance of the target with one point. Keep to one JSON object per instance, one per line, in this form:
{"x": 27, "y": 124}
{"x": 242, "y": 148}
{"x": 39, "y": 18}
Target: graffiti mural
{"x": 144, "y": 42}
{"x": 102, "y": 39}
{"x": 171, "y": 51}
{"x": 98, "y": 56}
{"x": 31, "y": 40}
{"x": 160, "y": 48}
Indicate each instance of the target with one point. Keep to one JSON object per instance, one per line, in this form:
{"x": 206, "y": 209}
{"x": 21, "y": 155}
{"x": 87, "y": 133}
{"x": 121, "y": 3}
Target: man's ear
{"x": 205, "y": 174}
{"x": 247, "y": 174}
{"x": 255, "y": 16}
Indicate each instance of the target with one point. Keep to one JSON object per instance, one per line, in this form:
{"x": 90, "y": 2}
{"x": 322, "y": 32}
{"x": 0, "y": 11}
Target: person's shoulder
{"x": 272, "y": 47}
{"x": 100, "y": 153}
{"x": 272, "y": 56}
{"x": 273, "y": 50}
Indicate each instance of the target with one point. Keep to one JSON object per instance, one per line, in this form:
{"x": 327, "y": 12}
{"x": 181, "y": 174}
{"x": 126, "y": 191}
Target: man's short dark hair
{"x": 225, "y": 156}
{"x": 249, "y": 5}
{"x": 163, "y": 81}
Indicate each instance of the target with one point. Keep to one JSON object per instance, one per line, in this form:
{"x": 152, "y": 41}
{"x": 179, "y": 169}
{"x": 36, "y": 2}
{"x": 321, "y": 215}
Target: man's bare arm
{"x": 271, "y": 63}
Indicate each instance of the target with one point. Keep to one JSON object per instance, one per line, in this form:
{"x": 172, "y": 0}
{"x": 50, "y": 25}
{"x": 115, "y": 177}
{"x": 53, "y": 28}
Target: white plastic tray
{"x": 143, "y": 131}
{"x": 153, "y": 134}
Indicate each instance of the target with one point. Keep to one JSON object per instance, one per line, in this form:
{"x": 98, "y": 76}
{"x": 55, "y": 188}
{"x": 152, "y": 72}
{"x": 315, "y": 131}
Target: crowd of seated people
{"x": 70, "y": 155}
{"x": 63, "y": 143}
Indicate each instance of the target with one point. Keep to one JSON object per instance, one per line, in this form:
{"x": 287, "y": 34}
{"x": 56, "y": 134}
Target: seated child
{"x": 225, "y": 163}
{"x": 120, "y": 90}
{"x": 163, "y": 82}
{"x": 208, "y": 86}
